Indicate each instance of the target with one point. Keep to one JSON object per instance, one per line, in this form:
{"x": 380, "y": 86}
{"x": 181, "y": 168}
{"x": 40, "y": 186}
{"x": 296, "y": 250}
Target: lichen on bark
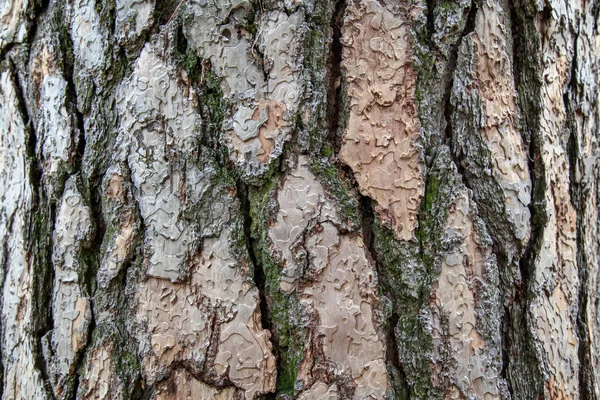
{"x": 339, "y": 199}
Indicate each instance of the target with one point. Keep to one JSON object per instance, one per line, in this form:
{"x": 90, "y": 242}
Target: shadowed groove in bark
{"x": 391, "y": 353}
{"x": 431, "y": 4}
{"x": 336, "y": 125}
{"x": 448, "y": 82}
{"x": 448, "y": 78}
{"x": 3, "y": 254}
{"x": 576, "y": 188}
{"x": 39, "y": 240}
{"x": 91, "y": 259}
{"x": 516, "y": 334}
{"x": 259, "y": 272}
{"x": 334, "y": 90}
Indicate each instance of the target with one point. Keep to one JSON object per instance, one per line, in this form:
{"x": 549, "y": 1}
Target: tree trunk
{"x": 311, "y": 199}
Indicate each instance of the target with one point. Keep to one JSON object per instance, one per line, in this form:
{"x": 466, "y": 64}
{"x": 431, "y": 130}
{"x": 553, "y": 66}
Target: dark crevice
{"x": 431, "y": 5}
{"x": 164, "y": 11}
{"x": 578, "y": 194}
{"x": 334, "y": 89}
{"x": 79, "y": 140}
{"x": 6, "y": 50}
{"x": 259, "y": 273}
{"x": 393, "y": 358}
{"x": 586, "y": 378}
{"x": 448, "y": 79}
{"x": 335, "y": 122}
{"x": 517, "y": 353}
{"x": 4, "y": 252}
{"x": 40, "y": 242}
{"x": 368, "y": 218}
{"x": 93, "y": 252}
{"x": 78, "y": 135}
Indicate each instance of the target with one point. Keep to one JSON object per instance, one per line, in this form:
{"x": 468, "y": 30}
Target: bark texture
{"x": 299, "y": 199}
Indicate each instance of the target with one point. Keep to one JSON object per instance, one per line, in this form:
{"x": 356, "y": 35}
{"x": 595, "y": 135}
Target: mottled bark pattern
{"x": 299, "y": 199}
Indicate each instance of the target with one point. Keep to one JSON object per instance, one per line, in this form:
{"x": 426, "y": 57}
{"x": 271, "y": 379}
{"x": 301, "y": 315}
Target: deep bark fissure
{"x": 335, "y": 103}
{"x": 78, "y": 134}
{"x": 576, "y": 191}
{"x": 448, "y": 81}
{"x": 430, "y": 14}
{"x": 392, "y": 357}
{"x": 43, "y": 320}
{"x": 259, "y": 273}
{"x": 367, "y": 221}
{"x": 517, "y": 339}
{"x": 164, "y": 12}
{"x": 448, "y": 78}
{"x": 334, "y": 71}
{"x": 89, "y": 254}
{"x": 3, "y": 272}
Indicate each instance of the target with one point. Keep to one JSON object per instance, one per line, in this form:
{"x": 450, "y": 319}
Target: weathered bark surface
{"x": 244, "y": 199}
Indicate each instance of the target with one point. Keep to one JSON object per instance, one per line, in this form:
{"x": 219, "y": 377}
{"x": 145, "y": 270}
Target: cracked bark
{"x": 299, "y": 199}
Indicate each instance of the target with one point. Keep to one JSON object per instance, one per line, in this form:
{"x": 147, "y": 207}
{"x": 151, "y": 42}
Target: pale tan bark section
{"x": 159, "y": 128}
{"x": 556, "y": 281}
{"x": 21, "y": 379}
{"x": 70, "y": 306}
{"x": 90, "y": 40}
{"x": 380, "y": 142}
{"x": 496, "y": 85}
{"x": 132, "y": 18}
{"x": 100, "y": 380}
{"x": 183, "y": 386}
{"x": 181, "y": 319}
{"x": 265, "y": 97}
{"x": 55, "y": 122}
{"x": 473, "y": 372}
{"x": 337, "y": 284}
{"x": 320, "y": 391}
{"x": 13, "y": 26}
{"x": 261, "y": 129}
{"x": 120, "y": 211}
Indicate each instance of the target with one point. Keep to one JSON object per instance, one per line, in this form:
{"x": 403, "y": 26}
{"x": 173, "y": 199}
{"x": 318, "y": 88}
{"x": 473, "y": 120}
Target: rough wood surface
{"x": 299, "y": 199}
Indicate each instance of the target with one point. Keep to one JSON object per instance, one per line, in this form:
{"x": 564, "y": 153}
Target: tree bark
{"x": 349, "y": 199}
